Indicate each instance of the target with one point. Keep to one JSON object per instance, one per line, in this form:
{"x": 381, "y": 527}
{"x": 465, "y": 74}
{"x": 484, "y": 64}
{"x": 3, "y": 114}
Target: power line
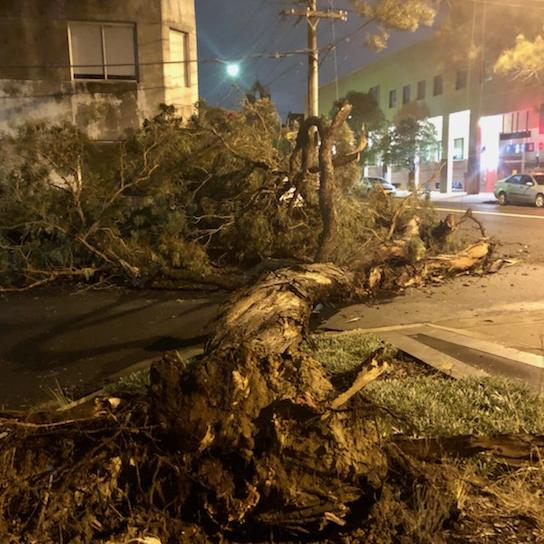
{"x": 217, "y": 60}
{"x": 283, "y": 73}
{"x": 510, "y": 4}
{"x": 288, "y": 35}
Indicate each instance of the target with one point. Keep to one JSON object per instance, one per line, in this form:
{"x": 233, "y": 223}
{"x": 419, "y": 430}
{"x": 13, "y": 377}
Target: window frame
{"x": 392, "y": 98}
{"x": 421, "y": 90}
{"x": 374, "y": 92}
{"x": 438, "y": 85}
{"x": 406, "y": 93}
{"x": 186, "y": 55}
{"x": 454, "y": 156}
{"x": 102, "y": 25}
{"x": 461, "y": 79}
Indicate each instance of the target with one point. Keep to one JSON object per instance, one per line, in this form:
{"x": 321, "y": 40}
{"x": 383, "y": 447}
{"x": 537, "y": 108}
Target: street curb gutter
{"x": 450, "y": 334}
{"x": 434, "y": 358}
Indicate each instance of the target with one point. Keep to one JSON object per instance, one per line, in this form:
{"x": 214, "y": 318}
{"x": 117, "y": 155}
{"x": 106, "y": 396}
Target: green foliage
{"x": 467, "y": 29}
{"x": 366, "y": 111}
{"x": 388, "y": 15}
{"x": 482, "y": 32}
{"x": 179, "y": 201}
{"x": 173, "y": 200}
{"x": 401, "y": 144}
{"x": 524, "y": 60}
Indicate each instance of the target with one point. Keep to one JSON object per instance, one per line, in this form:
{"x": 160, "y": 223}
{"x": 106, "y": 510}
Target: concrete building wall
{"x": 36, "y": 79}
{"x": 180, "y": 16}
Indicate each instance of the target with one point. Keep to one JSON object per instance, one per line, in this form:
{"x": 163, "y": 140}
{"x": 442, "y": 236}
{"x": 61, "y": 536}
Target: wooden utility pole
{"x": 313, "y": 16}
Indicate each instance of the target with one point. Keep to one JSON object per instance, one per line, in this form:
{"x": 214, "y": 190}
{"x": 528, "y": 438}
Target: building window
{"x": 374, "y": 92}
{"x": 393, "y": 98}
{"x": 421, "y": 90}
{"x": 461, "y": 79}
{"x": 102, "y": 51}
{"x": 406, "y": 94}
{"x": 438, "y": 85}
{"x": 179, "y": 67}
{"x": 458, "y": 149}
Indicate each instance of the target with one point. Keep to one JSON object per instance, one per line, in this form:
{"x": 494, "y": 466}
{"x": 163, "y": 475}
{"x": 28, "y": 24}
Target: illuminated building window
{"x": 458, "y": 149}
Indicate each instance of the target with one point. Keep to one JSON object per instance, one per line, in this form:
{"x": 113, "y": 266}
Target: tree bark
{"x": 327, "y": 187}
{"x": 327, "y": 181}
{"x": 254, "y": 417}
{"x": 507, "y": 447}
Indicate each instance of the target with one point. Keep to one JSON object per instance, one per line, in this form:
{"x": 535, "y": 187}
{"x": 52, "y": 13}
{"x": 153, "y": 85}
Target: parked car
{"x": 521, "y": 189}
{"x": 369, "y": 184}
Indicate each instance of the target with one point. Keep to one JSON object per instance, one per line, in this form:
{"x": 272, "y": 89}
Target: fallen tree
{"x": 259, "y": 401}
{"x": 253, "y": 441}
{"x": 254, "y": 437}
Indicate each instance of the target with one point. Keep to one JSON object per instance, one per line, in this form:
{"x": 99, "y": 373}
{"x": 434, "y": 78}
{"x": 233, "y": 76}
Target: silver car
{"x": 521, "y": 189}
{"x": 374, "y": 183}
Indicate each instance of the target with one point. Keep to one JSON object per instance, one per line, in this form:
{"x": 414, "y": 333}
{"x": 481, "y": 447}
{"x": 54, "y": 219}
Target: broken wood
{"x": 371, "y": 370}
{"x": 507, "y": 447}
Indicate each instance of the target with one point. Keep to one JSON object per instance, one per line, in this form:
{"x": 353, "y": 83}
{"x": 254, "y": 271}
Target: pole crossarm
{"x": 316, "y": 14}
{"x": 313, "y": 16}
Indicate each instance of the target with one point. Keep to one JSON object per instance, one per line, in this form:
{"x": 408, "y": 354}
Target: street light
{"x": 233, "y": 69}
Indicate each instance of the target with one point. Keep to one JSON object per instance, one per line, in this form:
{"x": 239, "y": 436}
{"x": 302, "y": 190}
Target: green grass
{"x": 437, "y": 406}
{"x": 343, "y": 353}
{"x": 134, "y": 383}
{"x": 434, "y": 405}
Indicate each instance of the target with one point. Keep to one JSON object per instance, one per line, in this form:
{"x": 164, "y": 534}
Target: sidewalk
{"x": 455, "y": 196}
{"x": 462, "y": 327}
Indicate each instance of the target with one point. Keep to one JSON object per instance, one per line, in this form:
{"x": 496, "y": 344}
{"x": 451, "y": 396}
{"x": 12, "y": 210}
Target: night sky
{"x": 232, "y": 30}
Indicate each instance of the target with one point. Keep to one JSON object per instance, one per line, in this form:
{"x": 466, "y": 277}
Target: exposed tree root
{"x": 250, "y": 415}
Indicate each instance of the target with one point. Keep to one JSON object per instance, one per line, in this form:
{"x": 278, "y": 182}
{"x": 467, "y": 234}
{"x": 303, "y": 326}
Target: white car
{"x": 375, "y": 183}
{"x": 521, "y": 189}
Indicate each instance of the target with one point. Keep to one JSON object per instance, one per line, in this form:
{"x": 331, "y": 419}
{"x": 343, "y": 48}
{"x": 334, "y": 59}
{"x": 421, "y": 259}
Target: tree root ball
{"x": 253, "y": 418}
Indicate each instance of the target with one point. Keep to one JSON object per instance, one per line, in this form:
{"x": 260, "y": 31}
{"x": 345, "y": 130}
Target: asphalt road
{"x": 73, "y": 341}
{"x": 520, "y": 229}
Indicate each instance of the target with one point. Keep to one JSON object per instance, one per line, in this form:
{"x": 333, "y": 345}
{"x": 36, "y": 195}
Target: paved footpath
{"x": 470, "y": 326}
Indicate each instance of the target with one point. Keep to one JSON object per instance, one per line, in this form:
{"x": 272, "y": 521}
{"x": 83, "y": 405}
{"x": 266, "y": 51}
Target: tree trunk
{"x": 327, "y": 164}
{"x": 412, "y": 177}
{"x": 327, "y": 188}
{"x": 255, "y": 420}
